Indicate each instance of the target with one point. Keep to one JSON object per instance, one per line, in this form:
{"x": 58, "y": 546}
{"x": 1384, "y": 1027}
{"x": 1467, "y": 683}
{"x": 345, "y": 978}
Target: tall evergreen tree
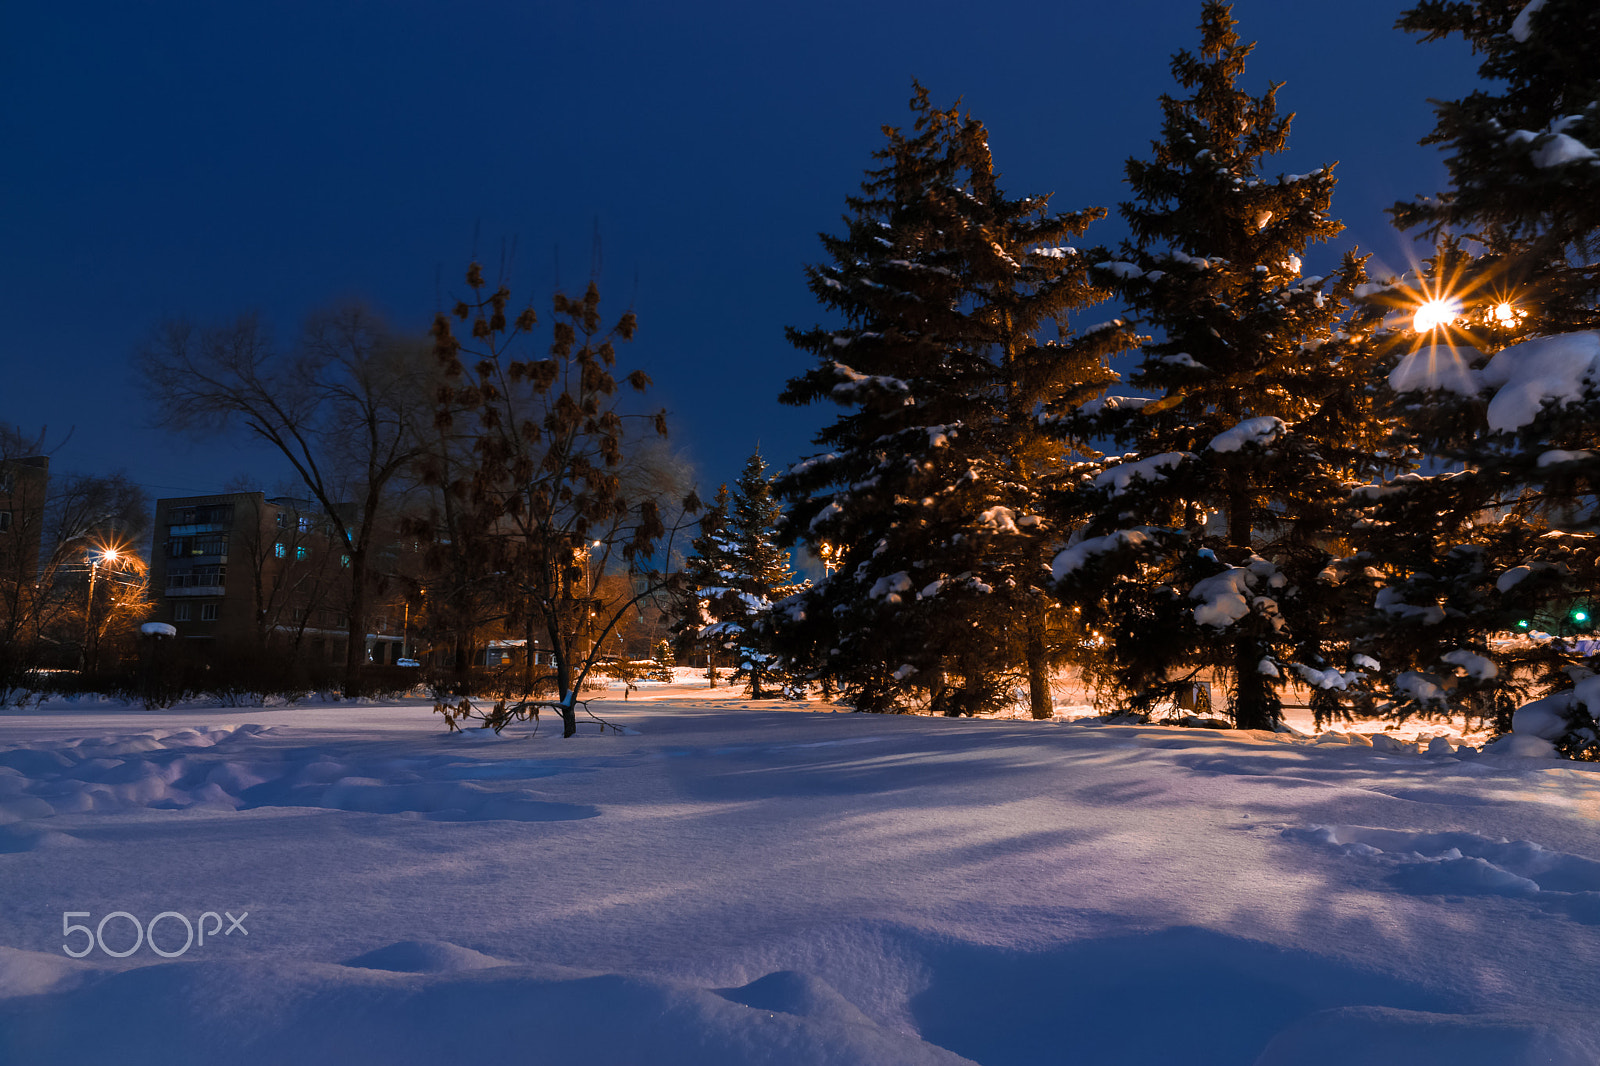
{"x": 927, "y": 493}
{"x": 707, "y": 571}
{"x": 1500, "y": 378}
{"x": 1208, "y": 537}
{"x": 757, "y": 574}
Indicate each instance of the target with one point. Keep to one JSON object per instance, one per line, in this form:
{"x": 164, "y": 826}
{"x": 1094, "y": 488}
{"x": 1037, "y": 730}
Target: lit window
{"x": 300, "y": 551}
{"x": 305, "y": 524}
{"x": 344, "y": 561}
{"x": 279, "y": 550}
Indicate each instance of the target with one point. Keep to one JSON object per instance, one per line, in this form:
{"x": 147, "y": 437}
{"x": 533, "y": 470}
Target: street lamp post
{"x": 588, "y": 593}
{"x": 109, "y": 555}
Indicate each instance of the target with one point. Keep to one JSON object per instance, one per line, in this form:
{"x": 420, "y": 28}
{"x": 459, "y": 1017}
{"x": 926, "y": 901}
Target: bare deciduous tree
{"x": 340, "y": 407}
{"x": 549, "y": 498}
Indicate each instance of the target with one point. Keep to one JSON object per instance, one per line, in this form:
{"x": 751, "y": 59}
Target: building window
{"x": 180, "y": 613}
{"x": 208, "y": 612}
{"x": 179, "y": 547}
{"x": 304, "y": 524}
{"x": 198, "y": 577}
{"x": 344, "y": 561}
{"x": 283, "y": 519}
{"x": 279, "y": 550}
{"x": 5, "y": 521}
{"x": 301, "y": 551}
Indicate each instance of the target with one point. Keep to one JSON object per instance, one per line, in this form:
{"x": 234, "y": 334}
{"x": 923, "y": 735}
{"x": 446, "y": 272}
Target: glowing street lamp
{"x": 1434, "y": 313}
{"x": 109, "y": 556}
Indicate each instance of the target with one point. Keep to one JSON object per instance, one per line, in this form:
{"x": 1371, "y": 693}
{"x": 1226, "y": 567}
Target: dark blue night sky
{"x": 202, "y": 159}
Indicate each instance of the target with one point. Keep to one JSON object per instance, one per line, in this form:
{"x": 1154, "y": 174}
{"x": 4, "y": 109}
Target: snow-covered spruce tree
{"x": 1434, "y": 539}
{"x": 706, "y": 571}
{"x": 1504, "y": 378}
{"x": 665, "y": 661}
{"x": 926, "y": 497}
{"x": 756, "y": 574}
{"x": 1208, "y": 537}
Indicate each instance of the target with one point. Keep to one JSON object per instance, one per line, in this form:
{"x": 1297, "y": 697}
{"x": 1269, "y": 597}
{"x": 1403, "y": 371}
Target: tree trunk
{"x": 1039, "y": 702}
{"x": 568, "y": 695}
{"x": 1239, "y": 517}
{"x": 462, "y": 666}
{"x": 527, "y": 658}
{"x": 569, "y": 715}
{"x": 1255, "y": 705}
{"x": 355, "y": 651}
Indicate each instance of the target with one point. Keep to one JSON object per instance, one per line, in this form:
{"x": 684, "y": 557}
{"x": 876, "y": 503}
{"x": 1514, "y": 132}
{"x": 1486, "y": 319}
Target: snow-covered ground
{"x": 728, "y": 883}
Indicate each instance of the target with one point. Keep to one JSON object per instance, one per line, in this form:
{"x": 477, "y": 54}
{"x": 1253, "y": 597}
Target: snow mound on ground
{"x": 1522, "y": 746}
{"x": 314, "y": 1013}
{"x": 247, "y": 767}
{"x": 15, "y": 839}
{"x": 802, "y": 995}
{"x": 31, "y": 973}
{"x": 1466, "y": 864}
{"x": 424, "y": 956}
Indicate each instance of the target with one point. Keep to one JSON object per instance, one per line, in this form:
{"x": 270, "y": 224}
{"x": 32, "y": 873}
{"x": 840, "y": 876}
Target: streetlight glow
{"x": 1435, "y": 313}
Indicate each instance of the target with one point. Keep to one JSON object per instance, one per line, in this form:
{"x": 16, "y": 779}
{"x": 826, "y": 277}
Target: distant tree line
{"x": 506, "y": 495}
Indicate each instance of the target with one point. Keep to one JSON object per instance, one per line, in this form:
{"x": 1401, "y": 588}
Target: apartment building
{"x": 240, "y": 571}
